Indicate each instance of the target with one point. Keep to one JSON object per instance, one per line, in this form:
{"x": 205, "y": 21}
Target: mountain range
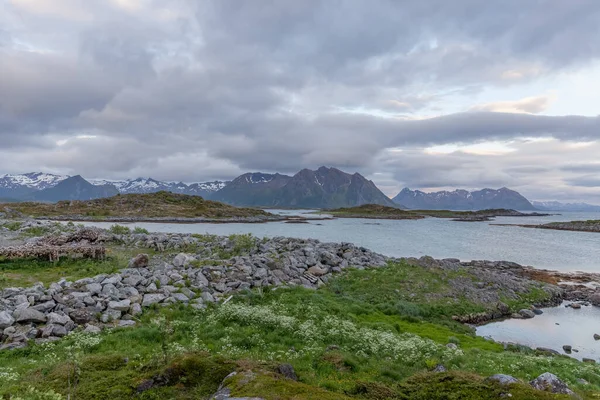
{"x": 558, "y": 206}
{"x": 321, "y": 188}
{"x": 463, "y": 200}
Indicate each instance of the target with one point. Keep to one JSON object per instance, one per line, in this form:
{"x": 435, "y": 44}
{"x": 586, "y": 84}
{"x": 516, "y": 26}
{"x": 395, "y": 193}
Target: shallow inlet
{"x": 556, "y": 327}
{"x": 439, "y": 238}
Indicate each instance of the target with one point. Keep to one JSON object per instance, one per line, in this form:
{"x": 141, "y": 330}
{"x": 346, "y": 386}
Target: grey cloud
{"x": 582, "y": 167}
{"x": 178, "y": 89}
{"x": 585, "y": 181}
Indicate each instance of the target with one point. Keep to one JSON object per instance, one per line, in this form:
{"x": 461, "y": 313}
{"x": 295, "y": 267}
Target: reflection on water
{"x": 556, "y": 327}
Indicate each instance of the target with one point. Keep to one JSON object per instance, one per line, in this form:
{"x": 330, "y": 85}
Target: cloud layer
{"x": 209, "y": 89}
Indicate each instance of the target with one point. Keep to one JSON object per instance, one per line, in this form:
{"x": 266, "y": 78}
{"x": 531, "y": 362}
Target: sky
{"x": 429, "y": 94}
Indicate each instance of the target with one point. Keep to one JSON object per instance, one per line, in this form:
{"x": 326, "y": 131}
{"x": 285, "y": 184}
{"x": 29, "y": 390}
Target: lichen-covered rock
{"x": 503, "y": 379}
{"x": 550, "y": 382}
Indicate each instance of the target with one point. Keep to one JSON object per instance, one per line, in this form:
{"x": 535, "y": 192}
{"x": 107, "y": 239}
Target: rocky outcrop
{"x": 550, "y": 382}
{"x": 42, "y": 313}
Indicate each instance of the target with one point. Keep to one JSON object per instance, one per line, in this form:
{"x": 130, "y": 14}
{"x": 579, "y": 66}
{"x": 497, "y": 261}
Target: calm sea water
{"x": 439, "y": 238}
{"x": 556, "y": 327}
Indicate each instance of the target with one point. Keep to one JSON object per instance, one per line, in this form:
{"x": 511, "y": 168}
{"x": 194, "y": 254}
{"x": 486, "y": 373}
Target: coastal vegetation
{"x": 135, "y": 206}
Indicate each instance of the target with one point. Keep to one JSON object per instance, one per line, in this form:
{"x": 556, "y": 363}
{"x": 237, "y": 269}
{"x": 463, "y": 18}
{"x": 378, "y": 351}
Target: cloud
{"x": 203, "y": 90}
{"x": 530, "y": 105}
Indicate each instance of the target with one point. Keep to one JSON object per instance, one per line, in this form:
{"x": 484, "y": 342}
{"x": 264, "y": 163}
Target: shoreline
{"x": 180, "y": 220}
{"x": 555, "y": 228}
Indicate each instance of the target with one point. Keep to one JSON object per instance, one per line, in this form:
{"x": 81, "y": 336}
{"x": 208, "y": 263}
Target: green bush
{"x": 119, "y": 230}
{"x": 140, "y": 230}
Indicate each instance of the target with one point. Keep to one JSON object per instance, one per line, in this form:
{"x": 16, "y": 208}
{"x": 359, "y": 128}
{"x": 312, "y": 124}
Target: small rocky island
{"x": 375, "y": 211}
{"x": 577, "y": 226}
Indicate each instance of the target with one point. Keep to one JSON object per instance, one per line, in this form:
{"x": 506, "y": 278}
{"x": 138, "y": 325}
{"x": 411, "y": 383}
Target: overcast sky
{"x": 429, "y": 94}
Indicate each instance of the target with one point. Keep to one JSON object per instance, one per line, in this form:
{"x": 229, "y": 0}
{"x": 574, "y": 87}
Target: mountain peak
{"x": 461, "y": 199}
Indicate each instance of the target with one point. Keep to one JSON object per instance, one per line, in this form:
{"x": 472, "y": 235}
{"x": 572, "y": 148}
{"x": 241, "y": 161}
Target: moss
{"x": 463, "y": 386}
{"x": 272, "y": 387}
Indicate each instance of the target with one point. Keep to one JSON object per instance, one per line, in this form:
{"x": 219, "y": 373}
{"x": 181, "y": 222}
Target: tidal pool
{"x": 556, "y": 327}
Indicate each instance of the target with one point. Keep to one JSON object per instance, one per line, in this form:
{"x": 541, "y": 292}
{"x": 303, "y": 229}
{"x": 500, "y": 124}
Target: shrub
{"x": 119, "y": 230}
{"x": 140, "y": 230}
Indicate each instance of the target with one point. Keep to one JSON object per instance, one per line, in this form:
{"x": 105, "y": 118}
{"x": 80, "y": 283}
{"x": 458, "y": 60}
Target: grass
{"x": 27, "y": 272}
{"x": 152, "y": 205}
{"x": 362, "y": 336}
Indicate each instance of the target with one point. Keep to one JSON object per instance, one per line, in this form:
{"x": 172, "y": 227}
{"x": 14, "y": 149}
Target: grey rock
{"x": 596, "y": 336}
{"x": 452, "y": 346}
{"x": 206, "y": 296}
{"x": 29, "y": 315}
{"x": 503, "y": 379}
{"x": 58, "y": 319}
{"x": 6, "y": 320}
{"x": 122, "y": 305}
{"x": 440, "y": 368}
{"x": 135, "y": 309}
{"x": 567, "y": 348}
{"x": 92, "y": 329}
{"x": 182, "y": 260}
{"x": 94, "y": 288}
{"x": 81, "y": 316}
{"x": 550, "y": 382}
{"x": 180, "y": 297}
{"x": 124, "y": 324}
{"x": 526, "y": 313}
{"x": 153, "y": 298}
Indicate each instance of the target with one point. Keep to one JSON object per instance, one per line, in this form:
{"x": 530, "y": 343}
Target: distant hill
{"x": 463, "y": 200}
{"x": 557, "y": 206}
{"x": 323, "y": 188}
{"x": 73, "y": 188}
{"x": 138, "y": 206}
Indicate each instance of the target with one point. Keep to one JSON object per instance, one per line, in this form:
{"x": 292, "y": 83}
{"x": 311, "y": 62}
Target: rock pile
{"x": 49, "y": 313}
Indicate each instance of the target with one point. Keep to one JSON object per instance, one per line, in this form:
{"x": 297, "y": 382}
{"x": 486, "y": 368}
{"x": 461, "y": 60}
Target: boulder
{"x": 550, "y": 382}
{"x": 6, "y": 320}
{"x": 576, "y": 306}
{"x": 139, "y": 261}
{"x": 595, "y": 299}
{"x": 317, "y": 271}
{"x": 29, "y": 315}
{"x": 81, "y": 316}
{"x": 526, "y": 313}
{"x": 152, "y": 298}
{"x": 567, "y": 348}
{"x": 503, "y": 379}
{"x": 58, "y": 319}
{"x": 596, "y": 336}
{"x": 182, "y": 260}
{"x": 288, "y": 371}
{"x": 122, "y": 305}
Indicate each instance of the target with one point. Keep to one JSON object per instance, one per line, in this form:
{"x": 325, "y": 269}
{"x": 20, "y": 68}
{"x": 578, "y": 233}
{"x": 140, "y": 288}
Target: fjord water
{"x": 439, "y": 238}
{"x": 556, "y": 327}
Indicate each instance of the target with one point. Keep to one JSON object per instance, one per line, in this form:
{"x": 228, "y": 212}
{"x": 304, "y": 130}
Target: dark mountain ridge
{"x": 323, "y": 188}
{"x": 463, "y": 200}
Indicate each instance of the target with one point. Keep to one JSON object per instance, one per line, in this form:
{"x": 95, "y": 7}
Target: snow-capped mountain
{"x": 18, "y": 185}
{"x": 149, "y": 185}
{"x": 27, "y": 186}
{"x": 558, "y": 206}
{"x": 463, "y": 200}
{"x": 32, "y": 180}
